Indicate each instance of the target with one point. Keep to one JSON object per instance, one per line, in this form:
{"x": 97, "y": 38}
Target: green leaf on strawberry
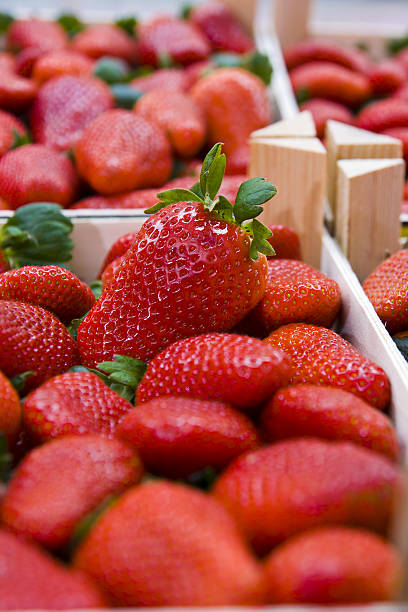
{"x": 5, "y": 21}
{"x": 127, "y": 24}
{"x": 71, "y": 24}
{"x": 19, "y": 381}
{"x": 19, "y": 139}
{"x": 255, "y": 62}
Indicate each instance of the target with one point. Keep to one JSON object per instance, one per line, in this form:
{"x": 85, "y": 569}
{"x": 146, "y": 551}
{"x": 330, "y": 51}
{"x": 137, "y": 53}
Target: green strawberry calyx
{"x": 254, "y": 61}
{"x": 248, "y": 203}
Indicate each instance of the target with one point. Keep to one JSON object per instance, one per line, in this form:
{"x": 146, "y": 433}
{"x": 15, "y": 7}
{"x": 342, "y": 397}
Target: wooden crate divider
{"x": 299, "y": 126}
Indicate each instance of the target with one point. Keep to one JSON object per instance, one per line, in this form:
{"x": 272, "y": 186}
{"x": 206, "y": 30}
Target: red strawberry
{"x": 326, "y": 80}
{"x": 297, "y": 292}
{"x": 290, "y": 486}
{"x": 10, "y": 411}
{"x": 104, "y": 39}
{"x": 73, "y": 403}
{"x": 330, "y": 413}
{"x": 322, "y": 357}
{"x": 285, "y": 242}
{"x": 119, "y": 151}
{"x": 221, "y": 28}
{"x": 173, "y": 79}
{"x": 110, "y": 270}
{"x": 43, "y": 35}
{"x": 170, "y": 37}
{"x": 402, "y": 134}
{"x": 325, "y": 566}
{"x": 60, "y": 482}
{"x": 195, "y": 71}
{"x": 61, "y": 62}
{"x": 4, "y": 264}
{"x": 168, "y": 544}
{"x": 32, "y": 339}
{"x": 188, "y": 271}
{"x": 118, "y": 248}
{"x": 65, "y": 106}
{"x": 316, "y": 50}
{"x": 176, "y": 436}
{"x": 7, "y": 62}
{"x": 401, "y": 93}
{"x": 323, "y": 110}
{"x": 16, "y": 93}
{"x": 387, "y": 290}
{"x": 386, "y": 77}
{"x": 402, "y": 58}
{"x": 10, "y": 126}
{"x": 178, "y": 115}
{"x": 235, "y": 369}
{"x": 35, "y": 173}
{"x": 26, "y": 59}
{"x": 30, "y": 579}
{"x": 383, "y": 114}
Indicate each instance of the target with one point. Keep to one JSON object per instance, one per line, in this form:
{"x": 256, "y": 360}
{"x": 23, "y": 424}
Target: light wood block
{"x": 297, "y": 166}
{"x": 299, "y": 126}
{"x": 369, "y": 193}
{"x": 348, "y": 142}
{"x": 245, "y": 11}
{"x": 291, "y": 19}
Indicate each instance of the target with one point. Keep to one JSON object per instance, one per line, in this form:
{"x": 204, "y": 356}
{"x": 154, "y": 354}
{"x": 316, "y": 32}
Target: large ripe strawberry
{"x": 119, "y": 151}
{"x": 221, "y": 28}
{"x": 322, "y": 357}
{"x": 10, "y": 410}
{"x": 326, "y": 566}
{"x": 26, "y": 59}
{"x": 402, "y": 134}
{"x": 110, "y": 270}
{"x": 118, "y": 248}
{"x": 35, "y": 173}
{"x": 293, "y": 485}
{"x": 178, "y": 115}
{"x": 52, "y": 287}
{"x": 60, "y": 482}
{"x": 16, "y": 92}
{"x": 105, "y": 39}
{"x": 176, "y": 436}
{"x": 192, "y": 269}
{"x": 235, "y": 103}
{"x": 30, "y": 578}
{"x": 168, "y": 544}
{"x": 316, "y": 50}
{"x": 173, "y": 79}
{"x": 383, "y": 114}
{"x": 11, "y": 128}
{"x": 33, "y": 339}
{"x": 73, "y": 403}
{"x": 386, "y": 77}
{"x": 170, "y": 38}
{"x": 285, "y": 242}
{"x": 323, "y": 110}
{"x": 38, "y": 33}
{"x": 61, "y": 62}
{"x": 330, "y": 413}
{"x": 387, "y": 290}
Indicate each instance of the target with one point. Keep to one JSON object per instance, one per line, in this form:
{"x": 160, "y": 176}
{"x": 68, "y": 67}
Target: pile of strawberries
{"x": 99, "y": 116}
{"x": 199, "y": 436}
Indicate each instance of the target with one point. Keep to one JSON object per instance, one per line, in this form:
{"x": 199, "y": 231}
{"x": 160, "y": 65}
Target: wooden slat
{"x": 299, "y": 126}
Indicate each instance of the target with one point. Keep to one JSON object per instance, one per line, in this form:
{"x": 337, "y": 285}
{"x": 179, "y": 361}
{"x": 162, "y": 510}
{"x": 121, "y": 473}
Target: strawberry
{"x": 401, "y": 93}
{"x": 402, "y": 59}
{"x": 325, "y": 566}
{"x": 220, "y": 27}
{"x": 52, "y": 287}
{"x": 322, "y": 357}
{"x": 4, "y": 264}
{"x": 73, "y": 403}
{"x": 178, "y": 115}
{"x": 118, "y": 248}
{"x": 235, "y": 103}
{"x": 7, "y": 62}
{"x": 285, "y": 242}
{"x": 197, "y": 70}
{"x": 326, "y": 80}
{"x": 283, "y": 489}
{"x": 26, "y": 59}
{"x": 330, "y": 413}
{"x": 383, "y": 114}
{"x": 386, "y": 77}
{"x": 168, "y": 544}
{"x": 30, "y": 578}
{"x": 119, "y": 151}
{"x": 323, "y": 110}
{"x": 176, "y": 436}
{"x": 32, "y": 339}
{"x": 58, "y": 483}
{"x": 170, "y": 38}
{"x": 38, "y": 33}
{"x": 10, "y": 129}
{"x": 110, "y": 270}
{"x": 105, "y": 39}
{"x": 61, "y": 62}
{"x": 229, "y": 368}
{"x": 173, "y": 79}
{"x": 10, "y": 411}
{"x": 35, "y": 173}
{"x": 16, "y": 93}
{"x": 402, "y": 134}
{"x": 387, "y": 289}
{"x": 206, "y": 270}
{"x": 65, "y": 106}
{"x": 316, "y": 50}
{"x": 297, "y": 292}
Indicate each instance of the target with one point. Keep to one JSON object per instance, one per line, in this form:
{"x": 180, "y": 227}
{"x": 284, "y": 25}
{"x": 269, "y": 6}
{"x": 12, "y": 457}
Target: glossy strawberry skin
{"x": 119, "y": 151}
{"x": 110, "y": 271}
{"x": 326, "y": 80}
{"x": 10, "y": 410}
{"x": 63, "y": 108}
{"x": 325, "y": 566}
{"x": 35, "y": 173}
{"x": 386, "y": 77}
{"x": 37, "y": 33}
{"x": 118, "y": 248}
{"x": 293, "y": 485}
{"x": 221, "y": 28}
{"x": 59, "y": 63}
{"x": 383, "y": 114}
{"x": 52, "y": 287}
{"x": 173, "y": 37}
{"x": 8, "y": 124}
{"x": 329, "y": 413}
{"x": 58, "y": 483}
{"x": 85, "y": 405}
{"x": 224, "y": 367}
{"x": 315, "y": 50}
{"x": 322, "y": 357}
{"x": 31, "y": 338}
{"x": 177, "y": 436}
{"x": 322, "y": 110}
{"x": 105, "y": 39}
{"x": 168, "y": 544}
{"x": 187, "y": 273}
{"x": 172, "y": 79}
{"x": 30, "y": 578}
